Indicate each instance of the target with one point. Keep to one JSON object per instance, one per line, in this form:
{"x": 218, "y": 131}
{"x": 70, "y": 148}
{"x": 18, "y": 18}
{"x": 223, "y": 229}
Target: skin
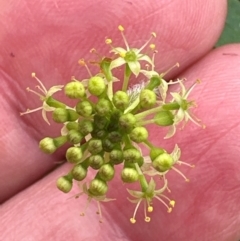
{"x": 49, "y": 37}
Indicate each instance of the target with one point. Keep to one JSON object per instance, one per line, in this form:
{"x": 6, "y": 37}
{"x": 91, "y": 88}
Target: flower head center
{"x": 130, "y": 56}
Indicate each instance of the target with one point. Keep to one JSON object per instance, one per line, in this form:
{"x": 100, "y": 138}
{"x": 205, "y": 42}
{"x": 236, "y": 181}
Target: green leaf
{"x": 231, "y": 32}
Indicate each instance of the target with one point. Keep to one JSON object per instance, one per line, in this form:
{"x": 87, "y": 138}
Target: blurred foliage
{"x": 231, "y": 32}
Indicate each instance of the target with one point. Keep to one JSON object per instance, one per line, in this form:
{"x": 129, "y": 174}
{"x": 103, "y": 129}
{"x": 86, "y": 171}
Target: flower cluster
{"x": 105, "y": 131}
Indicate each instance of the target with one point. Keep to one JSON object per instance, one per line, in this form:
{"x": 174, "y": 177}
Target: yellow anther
{"x": 33, "y": 74}
{"x": 169, "y": 210}
{"x": 147, "y": 219}
{"x": 122, "y": 54}
{"x": 187, "y": 180}
{"x": 172, "y": 203}
{"x": 150, "y": 209}
{"x": 108, "y": 41}
{"x": 132, "y": 220}
{"x": 154, "y": 34}
{"x": 82, "y": 214}
{"x": 152, "y": 46}
{"x": 121, "y": 28}
{"x": 82, "y": 62}
{"x": 198, "y": 81}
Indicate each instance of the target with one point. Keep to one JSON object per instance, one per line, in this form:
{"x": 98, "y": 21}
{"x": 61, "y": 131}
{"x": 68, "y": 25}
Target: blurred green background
{"x": 231, "y": 32}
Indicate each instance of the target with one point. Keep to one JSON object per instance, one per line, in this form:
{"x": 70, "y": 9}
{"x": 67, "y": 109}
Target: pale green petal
{"x": 44, "y": 116}
{"x": 54, "y": 89}
{"x": 183, "y": 89}
{"x": 136, "y": 194}
{"x": 149, "y": 73}
{"x": 177, "y": 97}
{"x": 171, "y": 132}
{"x": 46, "y": 107}
{"x": 117, "y": 62}
{"x": 161, "y": 190}
{"x": 133, "y": 201}
{"x": 118, "y": 50}
{"x": 134, "y": 67}
{"x": 151, "y": 186}
{"x": 145, "y": 58}
{"x": 64, "y": 131}
{"x": 179, "y": 116}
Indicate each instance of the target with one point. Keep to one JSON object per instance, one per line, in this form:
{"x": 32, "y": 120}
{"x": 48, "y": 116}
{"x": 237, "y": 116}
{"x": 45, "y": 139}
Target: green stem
{"x": 127, "y": 74}
{"x": 142, "y": 179}
{"x": 55, "y": 103}
{"x": 171, "y": 106}
{"x": 146, "y": 122}
{"x": 148, "y": 112}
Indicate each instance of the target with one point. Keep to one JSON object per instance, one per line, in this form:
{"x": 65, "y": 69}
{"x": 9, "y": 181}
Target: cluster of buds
{"x": 106, "y": 130}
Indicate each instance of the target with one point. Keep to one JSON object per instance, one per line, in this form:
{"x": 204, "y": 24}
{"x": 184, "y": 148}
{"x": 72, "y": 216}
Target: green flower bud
{"x": 64, "y": 184}
{"x": 139, "y": 134}
{"x": 163, "y": 162}
{"x": 121, "y": 100}
{"x": 95, "y": 146}
{"x": 55, "y": 103}
{"x": 96, "y": 85}
{"x": 129, "y": 175}
{"x": 115, "y": 136}
{"x": 50, "y": 145}
{"x": 103, "y": 107}
{"x": 84, "y": 108}
{"x": 74, "y": 136}
{"x": 131, "y": 155}
{"x": 116, "y": 156}
{"x": 164, "y": 118}
{"x": 127, "y": 122}
{"x": 79, "y": 172}
{"x": 85, "y": 127}
{"x": 100, "y": 121}
{"x": 107, "y": 145}
{"x": 74, "y": 90}
{"x": 106, "y": 172}
{"x": 147, "y": 98}
{"x": 74, "y": 154}
{"x": 98, "y": 187}
{"x": 96, "y": 161}
{"x": 61, "y": 115}
{"x": 72, "y": 125}
{"x": 155, "y": 152}
{"x": 99, "y": 133}
{"x": 154, "y": 82}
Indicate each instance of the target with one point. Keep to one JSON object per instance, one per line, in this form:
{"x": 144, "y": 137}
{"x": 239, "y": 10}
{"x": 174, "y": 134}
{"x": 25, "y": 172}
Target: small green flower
{"x": 45, "y": 97}
{"x": 91, "y": 196}
{"x": 184, "y": 112}
{"x": 130, "y": 56}
{"x": 147, "y": 197}
{"x": 165, "y": 162}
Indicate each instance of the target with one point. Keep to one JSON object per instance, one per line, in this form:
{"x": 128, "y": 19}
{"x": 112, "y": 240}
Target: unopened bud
{"x": 84, "y": 108}
{"x": 74, "y": 136}
{"x": 79, "y": 172}
{"x": 131, "y": 155}
{"x": 96, "y": 161}
{"x": 127, "y": 122}
{"x": 85, "y": 127}
{"x": 129, "y": 175}
{"x": 163, "y": 162}
{"x": 164, "y": 118}
{"x": 106, "y": 172}
{"x": 121, "y": 100}
{"x": 147, "y": 98}
{"x": 74, "y": 154}
{"x": 103, "y": 107}
{"x": 96, "y": 85}
{"x": 74, "y": 90}
{"x": 100, "y": 121}
{"x": 50, "y": 145}
{"x": 61, "y": 115}
{"x": 98, "y": 187}
{"x": 64, "y": 184}
{"x": 139, "y": 134}
{"x": 155, "y": 152}
{"x": 116, "y": 156}
{"x": 95, "y": 146}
